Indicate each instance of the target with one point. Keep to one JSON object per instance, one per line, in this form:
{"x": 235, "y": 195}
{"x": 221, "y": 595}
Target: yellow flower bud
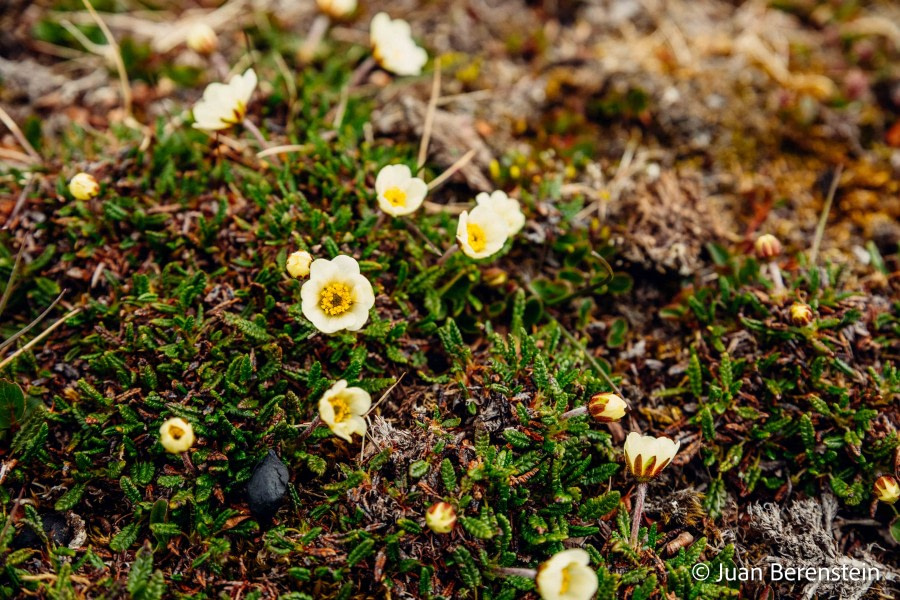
{"x": 801, "y": 314}
{"x": 607, "y": 407}
{"x": 83, "y": 186}
{"x": 176, "y": 435}
{"x": 298, "y": 264}
{"x": 440, "y": 517}
{"x": 767, "y": 247}
{"x": 202, "y": 39}
{"x": 887, "y": 489}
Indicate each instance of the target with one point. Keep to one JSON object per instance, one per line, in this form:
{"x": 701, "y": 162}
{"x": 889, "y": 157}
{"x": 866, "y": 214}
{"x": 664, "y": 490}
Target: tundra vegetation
{"x": 448, "y": 299}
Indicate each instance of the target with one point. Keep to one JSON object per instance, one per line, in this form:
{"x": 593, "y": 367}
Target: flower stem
{"x": 575, "y": 412}
{"x": 260, "y": 138}
{"x": 364, "y": 68}
{"x": 421, "y": 235}
{"x": 638, "y": 512}
{"x": 450, "y": 251}
{"x": 775, "y": 272}
{"x": 518, "y": 571}
{"x": 312, "y": 425}
{"x": 311, "y": 43}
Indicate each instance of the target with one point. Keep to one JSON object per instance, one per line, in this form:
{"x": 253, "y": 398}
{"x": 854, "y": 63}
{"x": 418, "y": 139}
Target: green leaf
{"x": 477, "y": 528}
{"x": 362, "y": 551}
{"x": 617, "y": 332}
{"x": 448, "y": 475}
{"x": 418, "y": 469}
{"x": 125, "y": 538}
{"x": 68, "y": 500}
{"x": 12, "y": 404}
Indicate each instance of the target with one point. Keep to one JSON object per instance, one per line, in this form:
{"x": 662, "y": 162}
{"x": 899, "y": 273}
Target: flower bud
{"x": 887, "y": 489}
{"x": 83, "y": 186}
{"x": 202, "y": 39}
{"x": 607, "y": 407}
{"x": 767, "y": 247}
{"x": 440, "y": 517}
{"x": 801, "y": 314}
{"x": 176, "y": 435}
{"x": 298, "y": 264}
{"x": 495, "y": 277}
{"x": 337, "y": 9}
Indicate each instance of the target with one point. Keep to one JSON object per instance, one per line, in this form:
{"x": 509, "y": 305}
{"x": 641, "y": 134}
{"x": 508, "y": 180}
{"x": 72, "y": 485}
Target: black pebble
{"x": 267, "y": 487}
{"x": 55, "y": 526}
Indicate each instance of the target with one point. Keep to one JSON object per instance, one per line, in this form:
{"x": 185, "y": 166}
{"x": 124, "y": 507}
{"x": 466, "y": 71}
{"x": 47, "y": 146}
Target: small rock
{"x": 267, "y": 487}
{"x": 56, "y": 526}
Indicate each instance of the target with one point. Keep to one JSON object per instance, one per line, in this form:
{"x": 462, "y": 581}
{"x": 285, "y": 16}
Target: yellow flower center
{"x": 237, "y": 114}
{"x": 176, "y": 432}
{"x": 477, "y": 238}
{"x": 335, "y": 299}
{"x": 395, "y": 197}
{"x": 566, "y": 581}
{"x": 341, "y": 408}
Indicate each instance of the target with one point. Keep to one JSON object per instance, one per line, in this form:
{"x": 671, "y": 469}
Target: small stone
{"x": 267, "y": 487}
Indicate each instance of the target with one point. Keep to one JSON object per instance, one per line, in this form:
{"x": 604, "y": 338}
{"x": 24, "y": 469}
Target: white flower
{"x": 399, "y": 193}
{"x": 224, "y": 105}
{"x": 202, "y": 39}
{"x": 176, "y": 435}
{"x": 83, "y": 186}
{"x": 336, "y": 296}
{"x": 508, "y": 209}
{"x": 647, "y": 455}
{"x": 342, "y": 409}
{"x": 481, "y": 233}
{"x": 393, "y": 46}
{"x": 567, "y": 576}
{"x": 440, "y": 517}
{"x": 297, "y": 264}
{"x": 337, "y": 9}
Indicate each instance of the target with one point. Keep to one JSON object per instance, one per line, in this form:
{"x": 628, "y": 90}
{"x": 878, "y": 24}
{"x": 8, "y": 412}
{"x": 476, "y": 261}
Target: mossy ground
{"x": 630, "y": 142}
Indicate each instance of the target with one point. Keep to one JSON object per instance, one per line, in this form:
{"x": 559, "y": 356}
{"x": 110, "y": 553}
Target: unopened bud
{"x": 298, "y": 264}
{"x": 202, "y": 39}
{"x": 767, "y": 247}
{"x": 83, "y": 186}
{"x": 440, "y": 517}
{"x": 887, "y": 489}
{"x": 607, "y": 407}
{"x": 801, "y": 314}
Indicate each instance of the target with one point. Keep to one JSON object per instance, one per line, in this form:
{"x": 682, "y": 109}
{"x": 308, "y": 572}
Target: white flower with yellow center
{"x": 337, "y": 9}
{"x": 225, "y": 104}
{"x": 567, "y": 576}
{"x": 399, "y": 193}
{"x": 336, "y": 296}
{"x": 83, "y": 186}
{"x": 393, "y": 46}
{"x": 481, "y": 233}
{"x": 508, "y": 208}
{"x": 342, "y": 408}
{"x": 176, "y": 435}
{"x": 646, "y": 455}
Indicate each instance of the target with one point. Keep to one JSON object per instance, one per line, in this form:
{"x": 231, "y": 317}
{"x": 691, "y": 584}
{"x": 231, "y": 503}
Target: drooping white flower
{"x": 337, "y": 9}
{"x": 83, "y": 186}
{"x": 342, "y": 408}
{"x": 567, "y": 576}
{"x": 508, "y": 208}
{"x": 336, "y": 296}
{"x": 481, "y": 233}
{"x": 647, "y": 455}
{"x": 297, "y": 264}
{"x": 399, "y": 193}
{"x": 393, "y": 46}
{"x": 176, "y": 435}
{"x": 202, "y": 39}
{"x": 225, "y": 104}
